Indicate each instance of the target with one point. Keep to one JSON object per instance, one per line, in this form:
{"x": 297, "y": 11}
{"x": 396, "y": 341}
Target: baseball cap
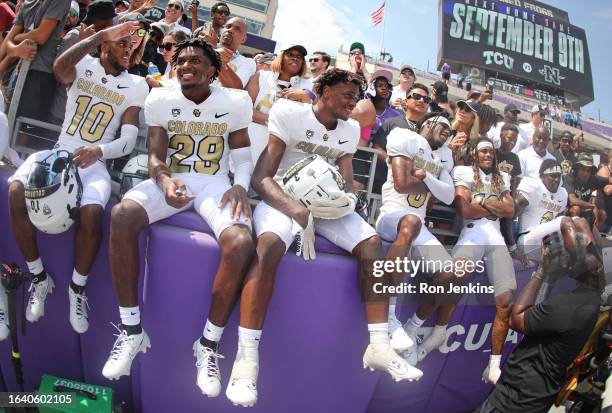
{"x": 511, "y": 107}
{"x": 74, "y": 6}
{"x": 407, "y": 67}
{"x": 299, "y": 48}
{"x": 99, "y": 10}
{"x": 137, "y": 17}
{"x": 470, "y": 105}
{"x": 126, "y": 3}
{"x": 383, "y": 73}
{"x": 584, "y": 159}
{"x": 163, "y": 28}
{"x": 566, "y": 136}
{"x": 179, "y": 2}
{"x": 537, "y": 108}
{"x": 441, "y": 90}
{"x": 357, "y": 45}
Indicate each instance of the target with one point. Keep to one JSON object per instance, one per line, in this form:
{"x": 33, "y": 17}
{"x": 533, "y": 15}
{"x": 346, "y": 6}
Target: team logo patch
{"x": 46, "y": 209}
{"x": 421, "y": 151}
{"x": 88, "y": 73}
{"x": 104, "y": 80}
{"x": 325, "y": 137}
{"x": 176, "y": 112}
{"x": 309, "y": 133}
{"x": 196, "y": 113}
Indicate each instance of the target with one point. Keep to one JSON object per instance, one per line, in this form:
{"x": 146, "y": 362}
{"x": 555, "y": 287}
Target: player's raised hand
{"x": 175, "y": 192}
{"x": 115, "y": 33}
{"x": 238, "y": 199}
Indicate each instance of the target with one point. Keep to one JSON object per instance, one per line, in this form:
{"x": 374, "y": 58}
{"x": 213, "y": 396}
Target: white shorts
{"x": 426, "y": 244}
{"x": 485, "y": 242}
{"x": 346, "y": 232}
{"x": 95, "y": 179}
{"x": 531, "y": 242}
{"x": 208, "y": 193}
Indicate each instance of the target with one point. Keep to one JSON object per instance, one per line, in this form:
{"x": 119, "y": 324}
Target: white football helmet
{"x": 312, "y": 178}
{"x": 53, "y": 193}
{"x": 134, "y": 172}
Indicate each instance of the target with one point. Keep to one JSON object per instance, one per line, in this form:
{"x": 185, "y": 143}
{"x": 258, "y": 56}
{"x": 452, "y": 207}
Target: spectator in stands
{"x": 511, "y": 113}
{"x": 7, "y": 16}
{"x": 468, "y": 82}
{"x": 152, "y": 55}
{"x": 446, "y": 72}
{"x": 406, "y": 80}
{"x": 582, "y": 184}
{"x": 138, "y": 6}
{"x": 219, "y": 13}
{"x": 121, "y": 6}
{"x": 319, "y": 63}
{"x": 379, "y": 92}
{"x": 236, "y": 70}
{"x": 465, "y": 131}
{"x": 537, "y": 118}
{"x": 100, "y": 14}
{"x": 285, "y": 80}
{"x": 439, "y": 99}
{"x": 173, "y": 14}
{"x": 531, "y": 158}
{"x": 139, "y": 39}
{"x": 415, "y": 106}
{"x": 578, "y": 120}
{"x": 358, "y": 60}
{"x": 567, "y": 117}
{"x": 486, "y": 119}
{"x": 168, "y": 47}
{"x": 565, "y": 154}
{"x": 605, "y": 170}
{"x": 72, "y": 21}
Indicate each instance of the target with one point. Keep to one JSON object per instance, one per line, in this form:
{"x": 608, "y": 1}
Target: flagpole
{"x": 382, "y": 36}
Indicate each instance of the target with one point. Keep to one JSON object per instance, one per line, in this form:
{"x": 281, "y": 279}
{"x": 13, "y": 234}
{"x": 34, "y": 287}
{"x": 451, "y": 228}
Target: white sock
{"x": 495, "y": 360}
{"x": 392, "y": 305}
{"x": 248, "y": 344}
{"x": 78, "y": 279}
{"x": 379, "y": 333}
{"x": 212, "y": 332}
{"x": 413, "y": 324}
{"x": 130, "y": 316}
{"x": 36, "y": 266}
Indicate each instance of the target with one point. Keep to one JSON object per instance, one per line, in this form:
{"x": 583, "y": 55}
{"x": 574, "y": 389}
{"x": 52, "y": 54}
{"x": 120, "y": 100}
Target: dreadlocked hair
{"x": 487, "y": 115}
{"x": 208, "y": 50}
{"x": 334, "y": 76}
{"x": 496, "y": 179}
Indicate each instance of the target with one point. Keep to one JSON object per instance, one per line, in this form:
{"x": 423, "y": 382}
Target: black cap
{"x": 511, "y": 107}
{"x": 566, "y": 136}
{"x": 100, "y": 10}
{"x": 441, "y": 90}
{"x": 299, "y": 48}
{"x": 137, "y": 17}
{"x": 474, "y": 107}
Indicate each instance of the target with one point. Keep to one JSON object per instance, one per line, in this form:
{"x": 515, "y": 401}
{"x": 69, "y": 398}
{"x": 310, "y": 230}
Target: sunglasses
{"x": 356, "y": 52}
{"x": 176, "y": 6}
{"x": 313, "y": 59}
{"x": 407, "y": 73}
{"x": 223, "y": 12}
{"x": 168, "y": 46}
{"x": 73, "y": 14}
{"x": 139, "y": 32}
{"x": 418, "y": 96}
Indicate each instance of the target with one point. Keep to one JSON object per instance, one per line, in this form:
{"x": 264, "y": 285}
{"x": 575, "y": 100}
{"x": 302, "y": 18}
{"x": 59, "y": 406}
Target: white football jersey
{"x": 198, "y": 133}
{"x": 95, "y": 104}
{"x": 295, "y": 124}
{"x": 403, "y": 142}
{"x": 544, "y": 206}
{"x": 464, "y": 176}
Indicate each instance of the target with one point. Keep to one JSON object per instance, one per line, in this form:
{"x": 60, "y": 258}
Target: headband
{"x": 556, "y": 169}
{"x": 484, "y": 145}
{"x": 439, "y": 119}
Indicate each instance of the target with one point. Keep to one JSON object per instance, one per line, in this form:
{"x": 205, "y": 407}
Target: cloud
{"x": 605, "y": 13}
{"x": 317, "y": 25}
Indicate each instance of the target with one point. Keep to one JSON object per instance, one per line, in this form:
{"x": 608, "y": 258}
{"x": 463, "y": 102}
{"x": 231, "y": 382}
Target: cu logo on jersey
{"x": 309, "y": 133}
{"x": 88, "y": 73}
{"x": 196, "y": 113}
{"x": 176, "y": 112}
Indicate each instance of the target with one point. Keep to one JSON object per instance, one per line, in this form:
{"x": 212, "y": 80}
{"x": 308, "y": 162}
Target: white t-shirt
{"x": 543, "y": 205}
{"x": 177, "y": 26}
{"x": 403, "y": 142}
{"x": 95, "y": 104}
{"x": 522, "y": 140}
{"x": 464, "y": 176}
{"x": 528, "y": 130}
{"x": 295, "y": 124}
{"x": 397, "y": 93}
{"x": 198, "y": 134}
{"x": 531, "y": 162}
{"x": 445, "y": 155}
{"x": 242, "y": 66}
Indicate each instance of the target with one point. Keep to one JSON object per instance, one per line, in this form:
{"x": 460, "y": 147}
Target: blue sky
{"x": 411, "y": 33}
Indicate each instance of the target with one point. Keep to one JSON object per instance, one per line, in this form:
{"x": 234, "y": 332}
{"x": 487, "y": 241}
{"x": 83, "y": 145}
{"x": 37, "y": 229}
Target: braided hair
{"x": 208, "y": 50}
{"x": 496, "y": 179}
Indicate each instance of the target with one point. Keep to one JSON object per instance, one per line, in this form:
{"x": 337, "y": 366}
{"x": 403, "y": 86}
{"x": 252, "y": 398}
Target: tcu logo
{"x": 551, "y": 75}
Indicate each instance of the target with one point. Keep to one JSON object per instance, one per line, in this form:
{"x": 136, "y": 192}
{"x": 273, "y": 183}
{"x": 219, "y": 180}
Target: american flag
{"x": 378, "y": 15}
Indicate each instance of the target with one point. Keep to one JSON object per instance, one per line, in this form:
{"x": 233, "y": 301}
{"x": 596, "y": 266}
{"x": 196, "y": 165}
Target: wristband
{"x": 537, "y": 275}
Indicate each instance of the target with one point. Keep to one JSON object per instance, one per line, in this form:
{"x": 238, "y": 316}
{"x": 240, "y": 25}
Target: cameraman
{"x": 555, "y": 331}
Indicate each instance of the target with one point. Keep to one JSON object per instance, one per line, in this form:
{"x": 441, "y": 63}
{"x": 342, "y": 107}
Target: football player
{"x": 103, "y": 98}
{"x": 296, "y": 131}
{"x": 197, "y": 127}
{"x": 416, "y": 172}
{"x": 482, "y": 197}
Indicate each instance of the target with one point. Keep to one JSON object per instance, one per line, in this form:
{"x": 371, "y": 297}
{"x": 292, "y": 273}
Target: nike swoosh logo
{"x": 217, "y": 116}
{"x": 443, "y": 161}
{"x": 132, "y": 313}
{"x": 122, "y": 87}
{"x": 341, "y": 142}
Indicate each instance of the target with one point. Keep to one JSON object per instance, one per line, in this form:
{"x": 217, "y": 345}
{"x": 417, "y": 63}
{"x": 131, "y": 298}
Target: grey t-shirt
{"x": 31, "y": 14}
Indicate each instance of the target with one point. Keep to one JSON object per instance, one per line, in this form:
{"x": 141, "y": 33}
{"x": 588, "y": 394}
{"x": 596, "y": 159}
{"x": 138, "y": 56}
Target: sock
{"x": 248, "y": 344}
{"x": 379, "y": 333}
{"x": 413, "y": 324}
{"x": 78, "y": 279}
{"x": 495, "y": 360}
{"x": 78, "y": 289}
{"x": 36, "y": 267}
{"x": 211, "y": 335}
{"x": 392, "y": 305}
{"x": 130, "y": 319}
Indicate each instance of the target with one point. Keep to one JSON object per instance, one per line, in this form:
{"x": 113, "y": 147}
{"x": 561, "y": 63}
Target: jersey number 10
{"x": 96, "y": 119}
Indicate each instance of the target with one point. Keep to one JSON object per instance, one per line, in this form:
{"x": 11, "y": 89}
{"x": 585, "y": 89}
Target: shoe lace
{"x": 37, "y": 292}
{"x": 209, "y": 357}
{"x": 121, "y": 344}
{"x": 81, "y": 305}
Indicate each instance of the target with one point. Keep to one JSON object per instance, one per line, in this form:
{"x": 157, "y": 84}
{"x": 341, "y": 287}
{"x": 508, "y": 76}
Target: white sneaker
{"x": 78, "y": 311}
{"x": 209, "y": 377}
{"x": 124, "y": 351}
{"x": 432, "y": 342}
{"x": 242, "y": 387}
{"x": 491, "y": 374}
{"x": 410, "y": 355}
{"x": 398, "y": 338}
{"x": 38, "y": 294}
{"x": 4, "y": 322}
{"x": 382, "y": 357}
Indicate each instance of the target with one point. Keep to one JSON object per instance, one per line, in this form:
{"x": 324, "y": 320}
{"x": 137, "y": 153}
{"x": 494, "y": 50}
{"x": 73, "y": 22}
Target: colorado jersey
{"x": 198, "y": 133}
{"x": 544, "y": 206}
{"x": 295, "y": 124}
{"x": 403, "y": 142}
{"x": 95, "y": 104}
{"x": 464, "y": 176}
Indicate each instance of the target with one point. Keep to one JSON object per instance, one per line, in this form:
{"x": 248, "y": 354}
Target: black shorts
{"x": 446, "y": 76}
{"x": 38, "y": 91}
